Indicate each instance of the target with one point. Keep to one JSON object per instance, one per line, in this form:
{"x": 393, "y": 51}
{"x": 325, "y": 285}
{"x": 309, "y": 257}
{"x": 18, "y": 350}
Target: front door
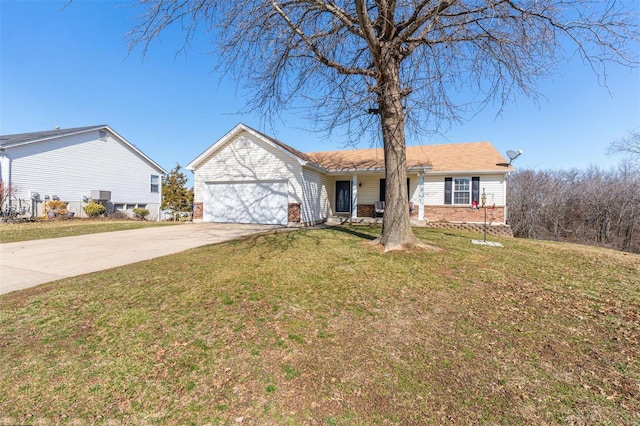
{"x": 343, "y": 196}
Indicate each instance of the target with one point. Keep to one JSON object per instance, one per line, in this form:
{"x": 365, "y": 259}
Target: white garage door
{"x": 246, "y": 202}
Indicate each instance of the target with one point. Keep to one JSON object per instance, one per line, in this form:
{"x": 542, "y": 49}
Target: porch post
{"x": 354, "y": 196}
{"x": 421, "y": 195}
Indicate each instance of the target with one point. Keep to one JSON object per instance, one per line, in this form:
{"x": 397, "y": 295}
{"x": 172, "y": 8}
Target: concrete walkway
{"x": 29, "y": 263}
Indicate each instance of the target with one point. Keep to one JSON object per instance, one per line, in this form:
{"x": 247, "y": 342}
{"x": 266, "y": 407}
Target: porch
{"x": 355, "y": 195}
{"x": 353, "y": 198}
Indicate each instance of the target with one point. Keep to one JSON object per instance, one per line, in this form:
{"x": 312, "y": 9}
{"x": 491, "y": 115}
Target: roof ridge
{"x": 407, "y": 146}
{"x": 75, "y": 129}
{"x": 42, "y": 134}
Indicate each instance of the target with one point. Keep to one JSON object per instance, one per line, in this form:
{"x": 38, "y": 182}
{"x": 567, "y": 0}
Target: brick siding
{"x": 463, "y": 214}
{"x": 294, "y": 213}
{"x": 365, "y": 210}
{"x": 197, "y": 211}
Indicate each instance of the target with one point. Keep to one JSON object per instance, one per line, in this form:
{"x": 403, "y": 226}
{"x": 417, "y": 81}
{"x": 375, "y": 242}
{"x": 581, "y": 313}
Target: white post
{"x": 421, "y": 195}
{"x": 354, "y": 197}
{"x": 504, "y": 191}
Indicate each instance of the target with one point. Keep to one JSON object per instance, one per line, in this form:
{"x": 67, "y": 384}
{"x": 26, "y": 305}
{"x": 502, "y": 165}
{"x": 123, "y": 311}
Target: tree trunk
{"x": 396, "y": 224}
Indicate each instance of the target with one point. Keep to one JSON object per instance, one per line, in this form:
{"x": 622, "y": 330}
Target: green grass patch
{"x": 315, "y": 326}
{"x": 39, "y": 230}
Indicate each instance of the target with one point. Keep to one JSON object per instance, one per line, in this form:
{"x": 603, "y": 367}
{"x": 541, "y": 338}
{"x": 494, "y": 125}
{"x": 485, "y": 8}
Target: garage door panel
{"x": 246, "y": 202}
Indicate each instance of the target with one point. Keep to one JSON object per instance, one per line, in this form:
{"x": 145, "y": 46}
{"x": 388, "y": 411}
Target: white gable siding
{"x": 247, "y": 158}
{"x": 492, "y": 184}
{"x": 70, "y": 167}
{"x": 315, "y": 196}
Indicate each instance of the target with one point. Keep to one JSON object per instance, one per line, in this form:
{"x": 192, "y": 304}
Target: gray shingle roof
{"x": 6, "y": 140}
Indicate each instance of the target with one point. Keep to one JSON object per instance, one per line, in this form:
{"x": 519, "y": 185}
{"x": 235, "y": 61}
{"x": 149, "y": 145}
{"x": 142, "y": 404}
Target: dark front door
{"x": 343, "y": 196}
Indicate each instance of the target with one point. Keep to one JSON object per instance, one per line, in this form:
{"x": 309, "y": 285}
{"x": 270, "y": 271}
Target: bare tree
{"x": 414, "y": 64}
{"x": 628, "y": 146}
{"x": 7, "y": 192}
{"x": 590, "y": 207}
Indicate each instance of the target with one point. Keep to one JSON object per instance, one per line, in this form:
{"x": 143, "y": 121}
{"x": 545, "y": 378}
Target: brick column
{"x": 197, "y": 211}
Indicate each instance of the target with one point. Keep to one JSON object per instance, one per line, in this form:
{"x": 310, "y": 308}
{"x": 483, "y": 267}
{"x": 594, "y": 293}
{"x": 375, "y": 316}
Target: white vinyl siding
{"x": 71, "y": 166}
{"x": 368, "y": 187}
{"x": 316, "y": 205}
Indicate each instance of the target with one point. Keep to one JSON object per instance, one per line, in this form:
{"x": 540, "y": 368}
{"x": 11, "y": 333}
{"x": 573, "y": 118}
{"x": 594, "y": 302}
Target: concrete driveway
{"x": 29, "y": 263}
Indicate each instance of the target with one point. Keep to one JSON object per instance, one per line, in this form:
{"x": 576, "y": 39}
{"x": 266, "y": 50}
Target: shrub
{"x": 56, "y": 206}
{"x": 119, "y": 215}
{"x": 140, "y": 213}
{"x": 94, "y": 209}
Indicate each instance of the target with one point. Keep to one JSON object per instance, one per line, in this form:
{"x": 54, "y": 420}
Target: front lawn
{"x": 42, "y": 229}
{"x": 314, "y": 327}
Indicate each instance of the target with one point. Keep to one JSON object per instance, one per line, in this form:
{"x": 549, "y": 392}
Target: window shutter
{"x": 448, "y": 184}
{"x": 475, "y": 189}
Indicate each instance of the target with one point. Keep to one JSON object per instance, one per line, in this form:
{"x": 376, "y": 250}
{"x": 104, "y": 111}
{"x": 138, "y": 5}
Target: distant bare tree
{"x": 590, "y": 207}
{"x": 374, "y": 66}
{"x": 628, "y": 146}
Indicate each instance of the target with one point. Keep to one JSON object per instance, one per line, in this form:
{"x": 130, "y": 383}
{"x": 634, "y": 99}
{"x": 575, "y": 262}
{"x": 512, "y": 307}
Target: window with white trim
{"x": 155, "y": 183}
{"x": 461, "y": 191}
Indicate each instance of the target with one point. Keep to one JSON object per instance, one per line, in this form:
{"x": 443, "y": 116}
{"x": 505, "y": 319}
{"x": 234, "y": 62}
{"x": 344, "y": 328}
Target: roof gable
{"x": 18, "y": 139}
{"x": 237, "y": 131}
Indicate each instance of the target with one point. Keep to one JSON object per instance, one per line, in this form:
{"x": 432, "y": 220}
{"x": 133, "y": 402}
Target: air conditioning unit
{"x": 98, "y": 195}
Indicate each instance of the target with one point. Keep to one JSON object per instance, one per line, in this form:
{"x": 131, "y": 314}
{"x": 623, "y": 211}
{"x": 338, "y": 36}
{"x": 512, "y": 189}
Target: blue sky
{"x": 70, "y": 67}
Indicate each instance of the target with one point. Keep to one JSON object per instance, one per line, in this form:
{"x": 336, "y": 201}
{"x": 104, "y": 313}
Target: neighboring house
{"x": 249, "y": 177}
{"x": 75, "y": 166}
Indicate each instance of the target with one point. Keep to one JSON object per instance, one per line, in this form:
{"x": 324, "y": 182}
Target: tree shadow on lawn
{"x": 281, "y": 240}
{"x": 351, "y": 231}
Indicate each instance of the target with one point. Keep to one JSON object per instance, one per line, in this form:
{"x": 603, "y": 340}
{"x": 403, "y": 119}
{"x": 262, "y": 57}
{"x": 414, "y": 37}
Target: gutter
{"x": 418, "y": 169}
{"x": 469, "y": 172}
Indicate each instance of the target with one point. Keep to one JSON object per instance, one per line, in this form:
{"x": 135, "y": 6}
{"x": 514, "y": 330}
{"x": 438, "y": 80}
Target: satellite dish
{"x": 514, "y": 154}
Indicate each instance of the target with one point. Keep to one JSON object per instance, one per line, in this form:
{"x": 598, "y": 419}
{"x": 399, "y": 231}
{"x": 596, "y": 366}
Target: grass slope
{"x": 315, "y": 327}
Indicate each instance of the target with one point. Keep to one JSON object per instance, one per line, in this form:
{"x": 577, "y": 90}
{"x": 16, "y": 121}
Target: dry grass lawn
{"x": 42, "y": 229}
{"x": 314, "y": 327}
